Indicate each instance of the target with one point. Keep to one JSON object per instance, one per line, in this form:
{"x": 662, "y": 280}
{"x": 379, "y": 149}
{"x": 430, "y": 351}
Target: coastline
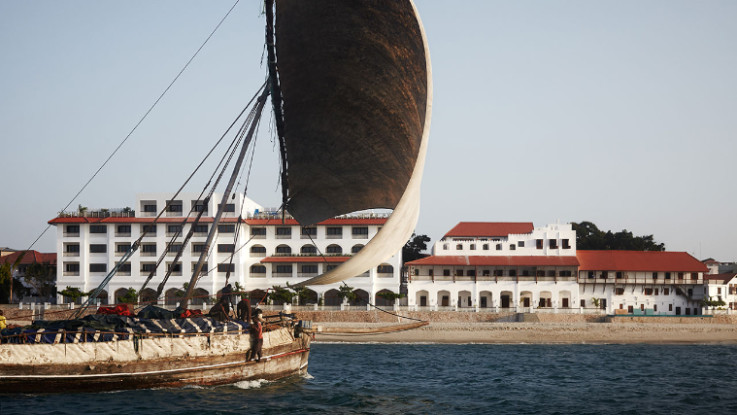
{"x": 534, "y": 333}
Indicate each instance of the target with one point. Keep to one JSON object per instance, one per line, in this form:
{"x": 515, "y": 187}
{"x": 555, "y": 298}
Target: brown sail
{"x": 354, "y": 78}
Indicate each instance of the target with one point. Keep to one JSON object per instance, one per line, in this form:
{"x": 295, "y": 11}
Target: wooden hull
{"x": 207, "y": 359}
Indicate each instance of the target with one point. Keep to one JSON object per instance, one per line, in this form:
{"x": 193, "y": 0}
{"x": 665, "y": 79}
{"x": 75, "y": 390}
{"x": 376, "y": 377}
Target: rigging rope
{"x": 140, "y": 120}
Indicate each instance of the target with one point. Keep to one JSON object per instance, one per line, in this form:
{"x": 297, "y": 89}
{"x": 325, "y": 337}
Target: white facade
{"x": 541, "y": 271}
{"x": 262, "y": 249}
{"x": 499, "y": 271}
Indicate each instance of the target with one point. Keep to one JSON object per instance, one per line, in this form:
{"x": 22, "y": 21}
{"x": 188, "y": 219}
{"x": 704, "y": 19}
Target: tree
{"x": 346, "y": 293}
{"x": 41, "y": 277}
{"x": 280, "y": 295}
{"x": 414, "y": 247}
{"x": 6, "y": 274}
{"x": 131, "y": 297}
{"x": 73, "y": 293}
{"x": 588, "y": 236}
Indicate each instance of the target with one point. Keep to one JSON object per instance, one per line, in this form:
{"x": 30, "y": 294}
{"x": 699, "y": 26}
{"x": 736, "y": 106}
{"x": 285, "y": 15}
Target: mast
{"x": 226, "y": 194}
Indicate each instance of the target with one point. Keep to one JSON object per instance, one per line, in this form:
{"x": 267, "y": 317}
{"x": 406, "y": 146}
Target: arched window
{"x": 258, "y": 269}
{"x": 258, "y": 249}
{"x": 308, "y": 250}
{"x": 283, "y": 250}
{"x": 356, "y": 248}
{"x": 334, "y": 249}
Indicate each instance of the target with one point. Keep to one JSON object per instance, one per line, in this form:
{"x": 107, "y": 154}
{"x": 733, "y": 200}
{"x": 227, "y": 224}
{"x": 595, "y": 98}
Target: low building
{"x": 40, "y": 268}
{"x": 722, "y": 288}
{"x": 254, "y": 247}
{"x": 519, "y": 267}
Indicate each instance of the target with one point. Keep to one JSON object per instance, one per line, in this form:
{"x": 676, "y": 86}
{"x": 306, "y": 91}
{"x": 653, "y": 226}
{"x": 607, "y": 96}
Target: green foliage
{"x": 712, "y": 303}
{"x": 414, "y": 247}
{"x": 42, "y": 277}
{"x": 280, "y": 295}
{"x": 346, "y": 292}
{"x": 389, "y": 295}
{"x": 131, "y": 297}
{"x": 589, "y": 237}
{"x": 596, "y": 302}
{"x": 73, "y": 293}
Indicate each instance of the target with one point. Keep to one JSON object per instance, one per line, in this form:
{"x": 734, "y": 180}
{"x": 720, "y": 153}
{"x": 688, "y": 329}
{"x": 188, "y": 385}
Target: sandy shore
{"x": 542, "y": 333}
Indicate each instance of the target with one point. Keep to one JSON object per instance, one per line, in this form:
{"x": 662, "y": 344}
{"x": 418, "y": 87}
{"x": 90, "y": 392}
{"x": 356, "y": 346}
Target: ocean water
{"x": 449, "y": 379}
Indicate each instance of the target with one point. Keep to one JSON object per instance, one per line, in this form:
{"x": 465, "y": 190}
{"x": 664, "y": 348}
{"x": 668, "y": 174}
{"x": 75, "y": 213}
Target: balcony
{"x": 281, "y": 275}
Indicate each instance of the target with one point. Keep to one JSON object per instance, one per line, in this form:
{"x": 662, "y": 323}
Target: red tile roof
{"x": 274, "y": 222}
{"x": 655, "y": 261}
{"x": 722, "y": 278}
{"x": 489, "y": 229}
{"x": 30, "y": 257}
{"x": 303, "y": 259}
{"x": 498, "y": 260}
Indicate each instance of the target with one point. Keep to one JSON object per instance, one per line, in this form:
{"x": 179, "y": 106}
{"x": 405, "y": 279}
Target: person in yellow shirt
{"x": 3, "y": 322}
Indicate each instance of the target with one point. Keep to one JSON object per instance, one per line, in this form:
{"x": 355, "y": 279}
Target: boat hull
{"x": 206, "y": 359}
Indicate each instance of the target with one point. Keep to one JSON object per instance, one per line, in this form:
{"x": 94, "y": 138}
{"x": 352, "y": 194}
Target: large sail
{"x": 355, "y": 82}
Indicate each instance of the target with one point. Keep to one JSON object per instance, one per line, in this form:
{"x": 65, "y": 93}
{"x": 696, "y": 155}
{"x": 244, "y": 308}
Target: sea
{"x": 348, "y": 378}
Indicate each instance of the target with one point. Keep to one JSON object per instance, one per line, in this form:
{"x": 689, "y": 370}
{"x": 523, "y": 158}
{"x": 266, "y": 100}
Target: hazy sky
{"x": 623, "y": 113}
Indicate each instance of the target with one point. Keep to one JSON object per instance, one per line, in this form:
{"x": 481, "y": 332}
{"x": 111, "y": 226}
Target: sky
{"x": 622, "y": 113}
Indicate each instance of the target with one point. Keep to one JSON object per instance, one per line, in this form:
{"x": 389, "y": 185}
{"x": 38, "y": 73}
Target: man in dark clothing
{"x": 225, "y": 296}
{"x": 257, "y": 339}
{"x": 243, "y": 309}
{"x": 219, "y": 311}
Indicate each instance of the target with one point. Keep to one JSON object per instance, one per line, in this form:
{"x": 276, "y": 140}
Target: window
{"x": 122, "y": 247}
{"x": 174, "y": 248}
{"x": 694, "y": 275}
{"x": 656, "y": 291}
{"x": 446, "y": 273}
{"x": 591, "y": 275}
{"x": 583, "y": 303}
{"x": 334, "y": 249}
{"x": 356, "y": 248}
{"x": 539, "y": 243}
{"x": 229, "y": 207}
{"x": 471, "y": 273}
{"x": 667, "y": 275}
{"x": 619, "y": 274}
{"x": 512, "y": 272}
{"x": 198, "y": 248}
{"x": 459, "y": 247}
{"x": 385, "y": 269}
{"x": 566, "y": 244}
{"x": 204, "y": 267}
{"x": 226, "y": 228}
{"x": 308, "y": 250}
{"x": 148, "y": 267}
{"x": 498, "y": 247}
{"x": 149, "y": 208}
{"x": 521, "y": 244}
{"x": 173, "y": 229}
{"x": 445, "y": 247}
{"x": 98, "y": 228}
{"x": 69, "y": 229}
{"x": 283, "y": 269}
{"x": 125, "y": 268}
{"x": 71, "y": 267}
{"x": 360, "y": 232}
{"x": 485, "y": 247}
{"x": 258, "y": 269}
{"x": 655, "y": 275}
{"x": 512, "y": 247}
{"x": 334, "y": 232}
{"x": 551, "y": 273}
{"x": 174, "y": 206}
{"x": 258, "y": 249}
{"x": 200, "y": 228}
{"x": 309, "y": 269}
{"x": 566, "y": 273}
{"x": 331, "y": 267}
{"x": 283, "y": 250}
{"x": 283, "y": 233}
{"x": 226, "y": 248}
{"x": 309, "y": 231}
{"x": 226, "y": 267}
{"x": 199, "y": 206}
{"x": 177, "y": 267}
{"x": 459, "y": 273}
{"x": 72, "y": 248}
{"x": 485, "y": 273}
{"x": 98, "y": 248}
{"x": 666, "y": 291}
{"x": 670, "y": 307}
{"x": 648, "y": 291}
{"x": 498, "y": 273}
{"x": 149, "y": 229}
{"x": 98, "y": 267}
{"x": 619, "y": 291}
{"x": 472, "y": 247}
{"x": 148, "y": 248}
{"x": 123, "y": 230}
{"x": 553, "y": 244}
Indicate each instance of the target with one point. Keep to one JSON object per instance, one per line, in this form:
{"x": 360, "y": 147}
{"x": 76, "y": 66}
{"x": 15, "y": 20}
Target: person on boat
{"x": 243, "y": 309}
{"x": 3, "y": 321}
{"x": 219, "y": 311}
{"x": 225, "y": 296}
{"x": 257, "y": 339}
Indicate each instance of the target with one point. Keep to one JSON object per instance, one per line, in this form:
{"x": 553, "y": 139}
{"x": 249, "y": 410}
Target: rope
{"x": 139, "y": 121}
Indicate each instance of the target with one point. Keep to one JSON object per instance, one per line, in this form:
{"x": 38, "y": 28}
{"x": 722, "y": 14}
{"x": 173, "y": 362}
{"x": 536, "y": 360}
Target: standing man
{"x": 243, "y": 309}
{"x": 258, "y": 337}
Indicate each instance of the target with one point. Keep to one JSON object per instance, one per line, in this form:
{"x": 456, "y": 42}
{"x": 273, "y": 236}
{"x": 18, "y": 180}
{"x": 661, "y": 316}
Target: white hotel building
{"x": 266, "y": 250}
{"x": 517, "y": 267}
